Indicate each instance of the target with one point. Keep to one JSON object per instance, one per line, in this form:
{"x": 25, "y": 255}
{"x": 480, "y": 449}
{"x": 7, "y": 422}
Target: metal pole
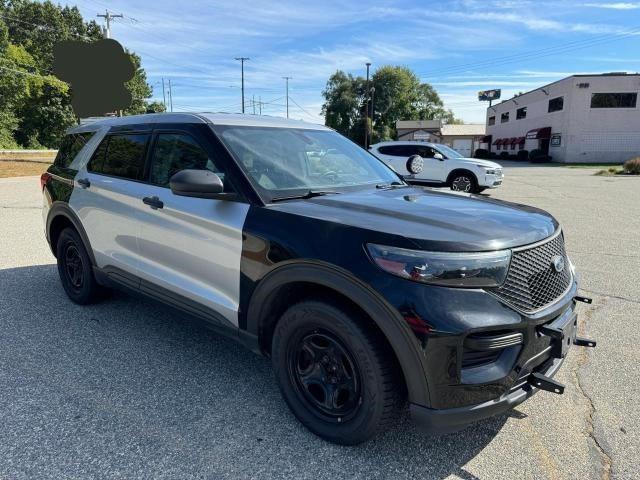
{"x": 108, "y": 17}
{"x": 366, "y": 111}
{"x": 287, "y": 90}
{"x": 164, "y": 96}
{"x": 170, "y": 96}
{"x": 242, "y": 59}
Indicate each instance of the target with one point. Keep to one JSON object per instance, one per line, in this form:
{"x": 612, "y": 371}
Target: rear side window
{"x": 399, "y": 150}
{"x": 174, "y": 152}
{"x": 120, "y": 156}
{"x": 70, "y": 147}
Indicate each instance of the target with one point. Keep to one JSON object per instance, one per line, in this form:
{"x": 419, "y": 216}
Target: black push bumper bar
{"x": 563, "y": 335}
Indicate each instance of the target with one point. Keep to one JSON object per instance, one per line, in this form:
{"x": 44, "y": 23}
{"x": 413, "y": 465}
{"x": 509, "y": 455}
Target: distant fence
{"x": 41, "y": 156}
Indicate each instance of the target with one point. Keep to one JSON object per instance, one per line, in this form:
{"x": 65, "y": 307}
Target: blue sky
{"x": 459, "y": 46}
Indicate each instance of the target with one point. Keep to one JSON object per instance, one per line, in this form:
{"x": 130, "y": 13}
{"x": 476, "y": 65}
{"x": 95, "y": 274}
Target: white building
{"x": 582, "y": 118}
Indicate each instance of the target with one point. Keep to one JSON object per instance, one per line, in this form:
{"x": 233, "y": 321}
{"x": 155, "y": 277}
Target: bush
{"x": 535, "y": 153}
{"x": 632, "y": 167}
{"x": 541, "y": 159}
{"x": 504, "y": 155}
{"x": 493, "y": 155}
{"x": 522, "y": 155}
{"x": 481, "y": 153}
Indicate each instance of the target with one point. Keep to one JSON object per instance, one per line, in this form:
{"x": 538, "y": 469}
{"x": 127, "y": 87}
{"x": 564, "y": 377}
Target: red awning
{"x": 539, "y": 133}
{"x": 520, "y": 141}
{"x": 486, "y": 139}
{"x": 513, "y": 141}
{"x": 498, "y": 141}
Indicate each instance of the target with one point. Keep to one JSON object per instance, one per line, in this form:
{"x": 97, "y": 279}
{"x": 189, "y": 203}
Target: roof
{"x": 206, "y": 117}
{"x": 468, "y": 129}
{"x": 435, "y": 124}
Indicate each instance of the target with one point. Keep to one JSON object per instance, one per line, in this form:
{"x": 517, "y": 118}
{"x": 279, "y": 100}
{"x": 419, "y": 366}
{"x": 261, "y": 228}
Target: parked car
{"x": 365, "y": 292}
{"x": 442, "y": 166}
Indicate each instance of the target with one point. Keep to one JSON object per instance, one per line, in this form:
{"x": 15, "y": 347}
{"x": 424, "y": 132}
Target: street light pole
{"x": 366, "y": 110}
{"x": 242, "y": 60}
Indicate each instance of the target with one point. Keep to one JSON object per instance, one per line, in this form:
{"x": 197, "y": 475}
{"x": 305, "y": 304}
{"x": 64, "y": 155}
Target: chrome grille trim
{"x": 531, "y": 284}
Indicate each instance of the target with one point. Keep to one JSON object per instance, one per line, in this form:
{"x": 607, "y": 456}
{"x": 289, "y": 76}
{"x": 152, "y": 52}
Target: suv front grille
{"x": 532, "y": 282}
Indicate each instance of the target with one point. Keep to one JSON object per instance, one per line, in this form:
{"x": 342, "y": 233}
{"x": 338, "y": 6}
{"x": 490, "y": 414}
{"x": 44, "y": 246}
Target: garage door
{"x": 463, "y": 146}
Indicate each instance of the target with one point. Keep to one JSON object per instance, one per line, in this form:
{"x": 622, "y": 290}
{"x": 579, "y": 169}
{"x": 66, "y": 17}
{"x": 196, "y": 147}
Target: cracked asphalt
{"x": 126, "y": 389}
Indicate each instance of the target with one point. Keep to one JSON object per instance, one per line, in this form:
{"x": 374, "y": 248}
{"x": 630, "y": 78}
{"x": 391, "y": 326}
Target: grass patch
{"x": 21, "y": 169}
{"x": 606, "y": 166}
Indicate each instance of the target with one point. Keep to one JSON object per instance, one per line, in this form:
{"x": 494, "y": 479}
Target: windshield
{"x": 449, "y": 152}
{"x": 294, "y": 160}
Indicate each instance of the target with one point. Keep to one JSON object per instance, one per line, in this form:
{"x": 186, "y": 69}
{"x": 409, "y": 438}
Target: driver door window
{"x": 174, "y": 152}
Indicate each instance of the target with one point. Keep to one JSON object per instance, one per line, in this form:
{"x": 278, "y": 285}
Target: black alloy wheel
{"x": 326, "y": 374}
{"x": 75, "y": 268}
{"x": 336, "y": 371}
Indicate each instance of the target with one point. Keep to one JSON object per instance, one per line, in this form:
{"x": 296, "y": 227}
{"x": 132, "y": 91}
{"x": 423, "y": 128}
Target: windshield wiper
{"x": 391, "y": 185}
{"x": 307, "y": 194}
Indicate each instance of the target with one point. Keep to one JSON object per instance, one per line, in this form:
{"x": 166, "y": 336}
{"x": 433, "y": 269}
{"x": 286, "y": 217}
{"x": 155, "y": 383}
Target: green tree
{"x": 38, "y": 113}
{"x": 156, "y": 107}
{"x": 398, "y": 95}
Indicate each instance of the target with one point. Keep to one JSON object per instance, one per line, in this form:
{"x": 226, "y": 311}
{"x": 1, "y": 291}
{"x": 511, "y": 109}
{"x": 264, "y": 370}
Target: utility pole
{"x": 164, "y": 96}
{"x": 253, "y": 102}
{"x": 287, "y": 82}
{"x": 108, "y": 17}
{"x": 260, "y": 103}
{"x": 373, "y": 93}
{"x": 170, "y": 96}
{"x": 366, "y": 115}
{"x": 242, "y": 60}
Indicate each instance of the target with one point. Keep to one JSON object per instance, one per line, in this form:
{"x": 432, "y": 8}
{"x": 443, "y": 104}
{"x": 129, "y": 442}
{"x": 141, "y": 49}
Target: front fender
{"x": 402, "y": 340}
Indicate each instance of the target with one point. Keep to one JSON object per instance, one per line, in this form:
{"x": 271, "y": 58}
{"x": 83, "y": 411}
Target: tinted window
{"x": 504, "y": 118}
{"x": 556, "y": 104}
{"x": 178, "y": 151}
{"x": 521, "y": 113}
{"x": 399, "y": 150}
{"x": 70, "y": 147}
{"x": 120, "y": 156}
{"x": 492, "y": 120}
{"x": 614, "y": 100}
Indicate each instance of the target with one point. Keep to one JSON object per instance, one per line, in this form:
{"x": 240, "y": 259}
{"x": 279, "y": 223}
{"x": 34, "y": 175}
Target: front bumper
{"x": 493, "y": 181}
{"x": 439, "y": 421}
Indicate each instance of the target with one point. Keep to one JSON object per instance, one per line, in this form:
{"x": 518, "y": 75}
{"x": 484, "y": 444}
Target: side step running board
{"x": 545, "y": 383}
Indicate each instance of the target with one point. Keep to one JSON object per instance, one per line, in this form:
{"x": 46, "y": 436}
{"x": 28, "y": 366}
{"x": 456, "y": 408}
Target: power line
{"x": 539, "y": 53}
{"x": 301, "y": 108}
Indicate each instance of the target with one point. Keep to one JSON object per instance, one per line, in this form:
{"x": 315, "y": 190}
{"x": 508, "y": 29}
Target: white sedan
{"x": 442, "y": 166}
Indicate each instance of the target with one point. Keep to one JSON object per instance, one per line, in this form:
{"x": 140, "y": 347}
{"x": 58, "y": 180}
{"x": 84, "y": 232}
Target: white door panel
{"x": 109, "y": 209}
{"x": 192, "y": 246}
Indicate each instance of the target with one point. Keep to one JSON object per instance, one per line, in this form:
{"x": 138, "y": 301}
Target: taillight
{"x": 44, "y": 179}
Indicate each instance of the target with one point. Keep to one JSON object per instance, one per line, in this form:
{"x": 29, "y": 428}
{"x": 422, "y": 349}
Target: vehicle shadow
{"x": 128, "y": 388}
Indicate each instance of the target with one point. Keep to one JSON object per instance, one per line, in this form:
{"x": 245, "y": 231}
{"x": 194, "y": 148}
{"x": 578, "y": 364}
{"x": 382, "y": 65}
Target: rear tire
{"x": 338, "y": 377}
{"x": 75, "y": 270}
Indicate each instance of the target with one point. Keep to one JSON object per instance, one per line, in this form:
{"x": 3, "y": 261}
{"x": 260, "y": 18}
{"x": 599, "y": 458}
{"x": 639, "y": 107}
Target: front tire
{"x": 338, "y": 377}
{"x": 74, "y": 268}
{"x": 464, "y": 182}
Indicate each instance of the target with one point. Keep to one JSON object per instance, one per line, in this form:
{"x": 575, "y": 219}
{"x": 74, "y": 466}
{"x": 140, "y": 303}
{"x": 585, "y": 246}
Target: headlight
{"x": 451, "y": 269}
{"x": 490, "y": 171}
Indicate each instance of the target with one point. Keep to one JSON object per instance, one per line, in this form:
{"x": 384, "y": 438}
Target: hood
{"x": 479, "y": 161}
{"x": 432, "y": 220}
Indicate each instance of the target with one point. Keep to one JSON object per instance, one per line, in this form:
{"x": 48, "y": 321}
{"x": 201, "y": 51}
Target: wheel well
{"x": 459, "y": 171}
{"x": 58, "y": 224}
{"x": 287, "y": 295}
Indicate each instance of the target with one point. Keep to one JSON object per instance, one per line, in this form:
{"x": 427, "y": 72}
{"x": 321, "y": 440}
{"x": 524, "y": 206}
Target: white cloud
{"x": 615, "y": 6}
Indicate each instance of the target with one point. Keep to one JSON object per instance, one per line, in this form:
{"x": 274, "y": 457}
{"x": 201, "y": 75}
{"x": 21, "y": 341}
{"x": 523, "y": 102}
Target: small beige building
{"x": 463, "y": 138}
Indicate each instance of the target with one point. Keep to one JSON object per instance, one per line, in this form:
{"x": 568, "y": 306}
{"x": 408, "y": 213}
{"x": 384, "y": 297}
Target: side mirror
{"x": 199, "y": 184}
{"x": 438, "y": 156}
{"x": 415, "y": 164}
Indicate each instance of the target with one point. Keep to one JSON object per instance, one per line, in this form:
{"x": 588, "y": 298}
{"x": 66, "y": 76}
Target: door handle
{"x": 153, "y": 202}
{"x": 84, "y": 183}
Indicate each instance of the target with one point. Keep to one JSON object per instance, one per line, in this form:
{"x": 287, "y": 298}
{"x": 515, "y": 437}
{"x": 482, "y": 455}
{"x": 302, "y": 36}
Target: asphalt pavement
{"x": 126, "y": 388}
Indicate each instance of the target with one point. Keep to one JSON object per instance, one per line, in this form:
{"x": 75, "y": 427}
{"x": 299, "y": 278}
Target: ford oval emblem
{"x": 557, "y": 262}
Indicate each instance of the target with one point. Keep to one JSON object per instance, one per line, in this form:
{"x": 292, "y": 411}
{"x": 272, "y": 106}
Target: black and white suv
{"x": 365, "y": 292}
